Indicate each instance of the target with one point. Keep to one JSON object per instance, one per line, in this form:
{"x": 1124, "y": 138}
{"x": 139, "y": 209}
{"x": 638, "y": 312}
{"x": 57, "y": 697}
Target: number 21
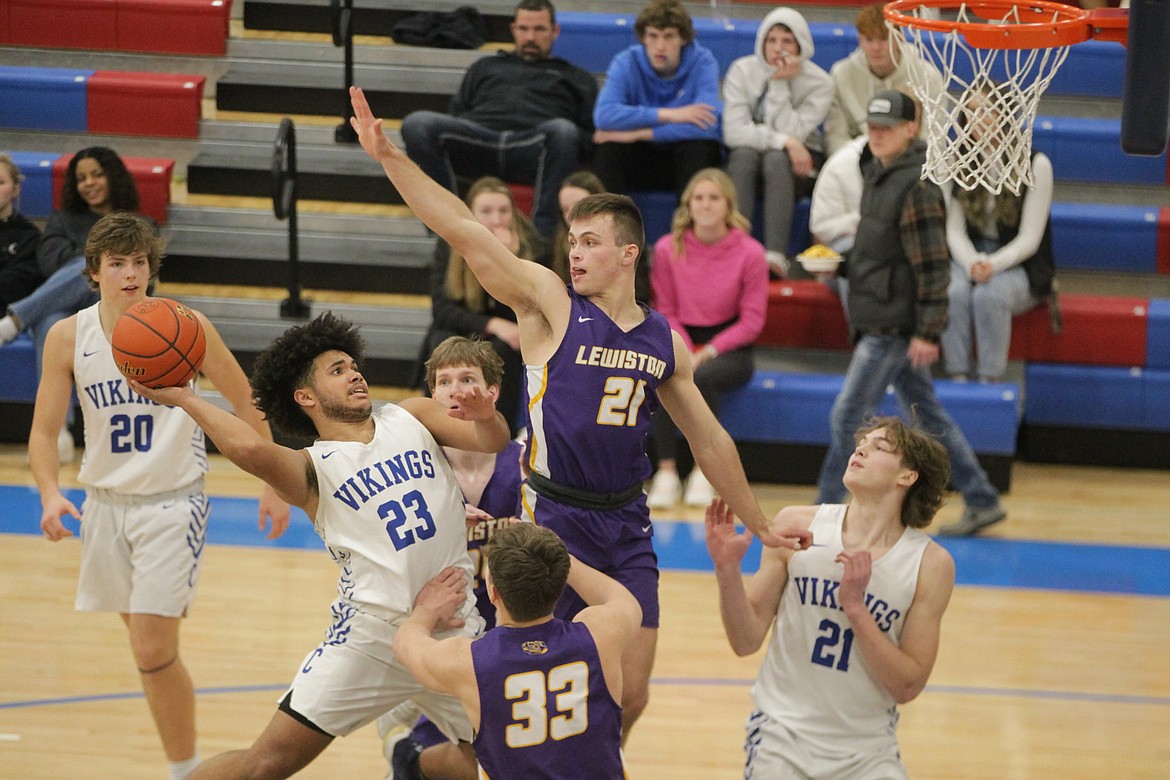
{"x": 824, "y": 650}
{"x": 623, "y": 399}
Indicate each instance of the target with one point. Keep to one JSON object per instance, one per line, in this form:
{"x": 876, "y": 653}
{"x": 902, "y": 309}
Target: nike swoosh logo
{"x": 87, "y": 354}
{"x": 646, "y": 528}
{"x": 584, "y": 319}
{"x": 327, "y": 454}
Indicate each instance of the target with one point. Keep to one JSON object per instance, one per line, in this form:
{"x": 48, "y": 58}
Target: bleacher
{"x": 1107, "y": 376}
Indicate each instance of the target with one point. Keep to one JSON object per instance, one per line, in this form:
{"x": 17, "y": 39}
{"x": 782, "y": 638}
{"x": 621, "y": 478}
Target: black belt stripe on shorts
{"x": 582, "y": 499}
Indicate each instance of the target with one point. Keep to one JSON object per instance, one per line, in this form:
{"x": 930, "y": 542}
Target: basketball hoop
{"x": 996, "y": 57}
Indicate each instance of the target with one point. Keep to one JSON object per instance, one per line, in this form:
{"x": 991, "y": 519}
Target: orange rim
{"x": 1042, "y": 24}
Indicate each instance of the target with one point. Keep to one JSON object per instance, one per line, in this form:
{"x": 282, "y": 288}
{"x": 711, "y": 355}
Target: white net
{"x": 979, "y": 130}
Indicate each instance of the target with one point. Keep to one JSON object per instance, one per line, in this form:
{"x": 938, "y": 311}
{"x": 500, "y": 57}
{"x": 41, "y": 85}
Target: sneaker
{"x": 65, "y": 445}
{"x": 396, "y": 725}
{"x": 699, "y": 491}
{"x": 665, "y": 490}
{"x": 404, "y": 761}
{"x": 974, "y": 520}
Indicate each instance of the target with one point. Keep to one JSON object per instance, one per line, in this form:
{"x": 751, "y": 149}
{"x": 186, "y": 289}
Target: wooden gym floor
{"x": 1053, "y": 661}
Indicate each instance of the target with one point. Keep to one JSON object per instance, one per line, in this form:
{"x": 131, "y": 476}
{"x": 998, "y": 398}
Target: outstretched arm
{"x": 225, "y": 373}
{"x": 715, "y": 452}
{"x": 510, "y": 280}
{"x": 288, "y": 471}
{"x": 474, "y": 424}
{"x": 747, "y": 612}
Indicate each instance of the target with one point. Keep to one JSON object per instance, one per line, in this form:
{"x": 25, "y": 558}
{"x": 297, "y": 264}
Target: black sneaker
{"x": 405, "y": 760}
{"x": 974, "y": 520}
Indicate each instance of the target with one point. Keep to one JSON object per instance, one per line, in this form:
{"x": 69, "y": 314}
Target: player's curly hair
{"x": 923, "y": 453}
{"x": 287, "y": 366}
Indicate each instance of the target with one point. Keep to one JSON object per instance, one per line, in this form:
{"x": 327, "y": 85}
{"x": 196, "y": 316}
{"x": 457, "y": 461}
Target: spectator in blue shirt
{"x": 657, "y": 116}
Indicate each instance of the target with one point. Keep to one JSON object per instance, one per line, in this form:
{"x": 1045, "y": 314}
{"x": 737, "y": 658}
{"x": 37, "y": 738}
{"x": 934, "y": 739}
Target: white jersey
{"x": 132, "y": 444}
{"x": 814, "y": 679}
{"x": 391, "y": 515}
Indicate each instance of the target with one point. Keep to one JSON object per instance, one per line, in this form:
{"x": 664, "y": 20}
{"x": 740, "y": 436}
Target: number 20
{"x": 623, "y": 399}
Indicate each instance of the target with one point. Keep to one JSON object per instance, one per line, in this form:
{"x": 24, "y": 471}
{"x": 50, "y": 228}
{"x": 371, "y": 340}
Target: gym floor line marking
{"x": 957, "y": 690}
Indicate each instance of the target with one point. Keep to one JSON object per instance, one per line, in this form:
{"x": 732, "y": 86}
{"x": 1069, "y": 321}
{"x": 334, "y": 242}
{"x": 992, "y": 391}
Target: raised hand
{"x": 858, "y": 566}
{"x": 369, "y": 129}
{"x": 724, "y": 543}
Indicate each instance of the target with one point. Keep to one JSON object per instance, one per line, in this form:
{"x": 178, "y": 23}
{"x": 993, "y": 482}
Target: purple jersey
{"x": 589, "y": 406}
{"x": 501, "y": 500}
{"x": 544, "y": 708}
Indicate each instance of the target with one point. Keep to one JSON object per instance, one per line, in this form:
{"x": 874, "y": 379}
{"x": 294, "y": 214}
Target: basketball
{"x": 159, "y": 342}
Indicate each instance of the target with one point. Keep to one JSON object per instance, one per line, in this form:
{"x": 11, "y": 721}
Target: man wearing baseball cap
{"x": 899, "y": 271}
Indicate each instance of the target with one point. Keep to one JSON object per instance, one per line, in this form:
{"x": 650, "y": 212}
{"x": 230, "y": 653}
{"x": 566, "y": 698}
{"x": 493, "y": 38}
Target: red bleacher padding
{"x": 152, "y": 175}
{"x": 5, "y": 32}
{"x": 1102, "y": 330}
{"x": 157, "y": 104}
{"x": 522, "y": 194}
{"x": 69, "y": 24}
{"x": 804, "y": 314}
{"x": 174, "y": 26}
{"x": 1163, "y": 252}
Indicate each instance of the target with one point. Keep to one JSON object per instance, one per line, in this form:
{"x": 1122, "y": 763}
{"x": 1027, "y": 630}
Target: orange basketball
{"x": 159, "y": 342}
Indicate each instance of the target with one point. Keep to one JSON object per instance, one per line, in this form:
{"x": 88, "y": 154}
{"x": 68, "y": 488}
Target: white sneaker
{"x": 699, "y": 491}
{"x": 665, "y": 490}
{"x": 396, "y": 725}
{"x": 65, "y": 446}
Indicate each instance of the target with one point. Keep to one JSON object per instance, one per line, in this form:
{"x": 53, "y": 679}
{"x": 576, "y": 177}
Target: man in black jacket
{"x": 899, "y": 271}
{"x": 524, "y": 116}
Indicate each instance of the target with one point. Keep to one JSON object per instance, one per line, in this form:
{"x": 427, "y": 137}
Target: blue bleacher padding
{"x": 1158, "y": 336}
{"x": 18, "y": 366}
{"x": 590, "y": 40}
{"x": 43, "y": 98}
{"x": 794, "y": 409}
{"x": 1105, "y": 237}
{"x": 36, "y": 192}
{"x": 1156, "y": 400}
{"x": 1090, "y": 150}
{"x": 1085, "y": 396}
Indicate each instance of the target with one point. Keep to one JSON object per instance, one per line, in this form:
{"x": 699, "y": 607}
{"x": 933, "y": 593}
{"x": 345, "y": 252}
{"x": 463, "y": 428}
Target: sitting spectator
{"x": 524, "y": 116}
{"x": 1001, "y": 261}
{"x": 19, "y": 272}
{"x": 97, "y": 183}
{"x": 871, "y": 68}
{"x": 461, "y": 307}
{"x": 836, "y": 209}
{"x": 774, "y": 102}
{"x": 710, "y": 281}
{"x": 657, "y": 116}
{"x": 575, "y": 186}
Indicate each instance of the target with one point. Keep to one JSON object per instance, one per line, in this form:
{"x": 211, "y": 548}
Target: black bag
{"x": 463, "y": 28}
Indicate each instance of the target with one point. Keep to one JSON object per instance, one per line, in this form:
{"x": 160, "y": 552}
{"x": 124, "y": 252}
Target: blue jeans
{"x": 64, "y": 293}
{"x": 880, "y": 361}
{"x": 446, "y": 146}
{"x": 980, "y": 316}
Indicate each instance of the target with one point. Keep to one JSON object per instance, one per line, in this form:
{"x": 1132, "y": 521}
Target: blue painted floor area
{"x": 1004, "y": 563}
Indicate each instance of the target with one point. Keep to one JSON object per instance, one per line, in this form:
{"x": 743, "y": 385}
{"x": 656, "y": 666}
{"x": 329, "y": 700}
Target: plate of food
{"x": 819, "y": 258}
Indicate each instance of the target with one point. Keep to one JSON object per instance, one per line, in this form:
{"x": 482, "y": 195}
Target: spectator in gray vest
{"x": 774, "y": 101}
{"x": 524, "y": 116}
{"x": 899, "y": 271}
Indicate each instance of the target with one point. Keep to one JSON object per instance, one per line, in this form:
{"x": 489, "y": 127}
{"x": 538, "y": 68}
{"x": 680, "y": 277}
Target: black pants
{"x": 645, "y": 165}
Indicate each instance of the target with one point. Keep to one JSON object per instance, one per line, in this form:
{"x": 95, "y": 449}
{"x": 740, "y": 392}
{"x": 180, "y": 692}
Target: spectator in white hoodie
{"x": 774, "y": 101}
{"x": 874, "y": 66}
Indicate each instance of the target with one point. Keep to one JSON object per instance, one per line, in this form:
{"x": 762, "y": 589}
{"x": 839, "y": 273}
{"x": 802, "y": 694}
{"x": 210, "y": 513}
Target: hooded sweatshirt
{"x": 634, "y": 92}
{"x": 854, "y": 84}
{"x": 761, "y": 112}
